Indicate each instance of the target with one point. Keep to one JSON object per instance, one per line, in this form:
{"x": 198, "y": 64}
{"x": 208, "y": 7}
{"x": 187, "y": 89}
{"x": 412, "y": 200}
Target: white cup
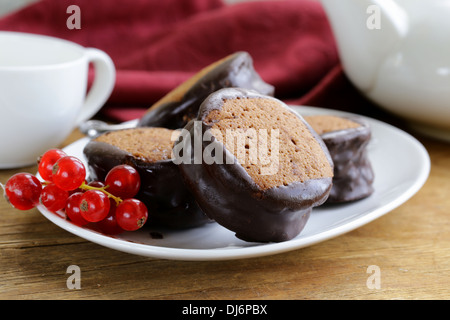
{"x": 43, "y": 93}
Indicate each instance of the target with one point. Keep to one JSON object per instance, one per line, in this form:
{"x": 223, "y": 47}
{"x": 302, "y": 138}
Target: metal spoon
{"x": 93, "y": 128}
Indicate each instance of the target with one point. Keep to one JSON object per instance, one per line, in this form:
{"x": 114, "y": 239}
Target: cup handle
{"x": 102, "y": 86}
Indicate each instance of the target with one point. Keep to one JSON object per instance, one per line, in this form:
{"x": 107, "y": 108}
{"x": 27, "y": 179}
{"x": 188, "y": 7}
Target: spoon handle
{"x": 93, "y": 128}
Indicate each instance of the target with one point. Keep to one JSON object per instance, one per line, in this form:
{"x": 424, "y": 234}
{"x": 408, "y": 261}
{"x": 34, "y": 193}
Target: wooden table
{"x": 410, "y": 246}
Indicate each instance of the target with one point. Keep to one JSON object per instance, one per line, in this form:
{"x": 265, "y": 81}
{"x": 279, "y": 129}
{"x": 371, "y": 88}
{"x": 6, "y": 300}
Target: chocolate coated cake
{"x": 181, "y": 104}
{"x": 346, "y": 139}
{"x": 267, "y": 167}
{"x": 149, "y": 151}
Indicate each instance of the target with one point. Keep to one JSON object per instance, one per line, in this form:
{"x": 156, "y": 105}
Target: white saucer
{"x": 401, "y": 165}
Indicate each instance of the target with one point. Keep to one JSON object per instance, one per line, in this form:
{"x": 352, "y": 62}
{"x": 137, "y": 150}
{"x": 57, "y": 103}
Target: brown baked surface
{"x": 328, "y": 123}
{"x": 148, "y": 144}
{"x": 177, "y": 94}
{"x": 300, "y": 156}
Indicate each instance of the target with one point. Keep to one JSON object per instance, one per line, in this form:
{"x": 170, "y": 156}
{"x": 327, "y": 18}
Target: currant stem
{"x": 84, "y": 186}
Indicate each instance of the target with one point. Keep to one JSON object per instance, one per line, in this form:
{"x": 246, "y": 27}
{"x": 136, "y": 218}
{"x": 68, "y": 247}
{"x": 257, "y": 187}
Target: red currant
{"x": 23, "y": 190}
{"x": 68, "y": 173}
{"x": 109, "y": 224}
{"x": 54, "y": 198}
{"x": 94, "y": 205}
{"x": 73, "y": 210}
{"x": 131, "y": 214}
{"x": 96, "y": 184}
{"x": 123, "y": 181}
{"x": 46, "y": 162}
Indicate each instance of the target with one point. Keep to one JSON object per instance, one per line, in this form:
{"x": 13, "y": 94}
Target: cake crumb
{"x": 300, "y": 156}
{"x": 149, "y": 144}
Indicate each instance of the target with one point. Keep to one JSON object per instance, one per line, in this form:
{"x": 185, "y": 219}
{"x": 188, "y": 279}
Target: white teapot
{"x": 397, "y": 53}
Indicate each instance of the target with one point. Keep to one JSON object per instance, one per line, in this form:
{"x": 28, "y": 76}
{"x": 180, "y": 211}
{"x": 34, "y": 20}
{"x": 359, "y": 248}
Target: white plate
{"x": 401, "y": 166}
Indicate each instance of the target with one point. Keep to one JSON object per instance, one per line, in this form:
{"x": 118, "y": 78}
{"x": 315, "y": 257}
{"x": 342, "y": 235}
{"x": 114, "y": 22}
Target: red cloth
{"x": 157, "y": 44}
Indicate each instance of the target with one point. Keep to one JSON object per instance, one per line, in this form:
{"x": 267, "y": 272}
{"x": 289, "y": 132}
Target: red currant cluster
{"x": 108, "y": 204}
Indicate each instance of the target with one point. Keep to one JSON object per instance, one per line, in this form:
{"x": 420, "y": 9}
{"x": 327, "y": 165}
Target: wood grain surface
{"x": 410, "y": 246}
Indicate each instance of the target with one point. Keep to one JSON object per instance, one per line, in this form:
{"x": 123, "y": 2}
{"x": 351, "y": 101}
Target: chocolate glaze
{"x": 227, "y": 194}
{"x": 235, "y": 70}
{"x": 353, "y": 173}
{"x": 168, "y": 201}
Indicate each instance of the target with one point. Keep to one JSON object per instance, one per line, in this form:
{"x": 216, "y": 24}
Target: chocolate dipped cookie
{"x": 253, "y": 165}
{"x": 180, "y": 105}
{"x": 346, "y": 139}
{"x": 149, "y": 151}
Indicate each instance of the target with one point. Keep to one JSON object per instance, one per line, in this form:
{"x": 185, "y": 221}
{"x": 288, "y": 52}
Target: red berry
{"x": 123, "y": 181}
{"x": 23, "y": 190}
{"x": 109, "y": 224}
{"x": 96, "y": 184}
{"x": 94, "y": 205}
{"x": 131, "y": 214}
{"x": 69, "y": 173}
{"x": 73, "y": 210}
{"x": 46, "y": 162}
{"x": 54, "y": 198}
